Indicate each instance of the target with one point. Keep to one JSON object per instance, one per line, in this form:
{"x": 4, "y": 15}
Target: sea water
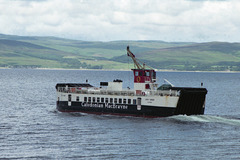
{"x": 32, "y": 128}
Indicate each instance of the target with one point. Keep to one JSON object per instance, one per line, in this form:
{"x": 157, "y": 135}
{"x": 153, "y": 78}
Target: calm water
{"x": 31, "y": 128}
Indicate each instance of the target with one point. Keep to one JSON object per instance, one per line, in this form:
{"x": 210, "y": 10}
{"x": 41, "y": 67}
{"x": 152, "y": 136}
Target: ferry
{"x": 146, "y": 99}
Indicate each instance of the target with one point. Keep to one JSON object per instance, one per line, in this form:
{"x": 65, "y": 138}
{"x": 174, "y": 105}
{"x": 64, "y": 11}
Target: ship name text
{"x": 104, "y": 105}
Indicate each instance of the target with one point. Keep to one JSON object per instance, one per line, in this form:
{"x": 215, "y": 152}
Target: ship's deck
{"x": 124, "y": 92}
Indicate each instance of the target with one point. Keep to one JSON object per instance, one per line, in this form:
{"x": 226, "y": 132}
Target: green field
{"x": 52, "y": 52}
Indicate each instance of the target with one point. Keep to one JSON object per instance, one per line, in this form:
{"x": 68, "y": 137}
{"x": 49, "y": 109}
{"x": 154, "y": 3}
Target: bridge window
{"x": 124, "y": 101}
{"x": 129, "y": 101}
{"x": 93, "y": 99}
{"x": 136, "y": 73}
{"x": 147, "y": 73}
{"x": 77, "y": 98}
{"x": 106, "y": 100}
{"x": 85, "y": 99}
{"x": 98, "y": 99}
{"x": 154, "y": 75}
{"x": 111, "y": 100}
{"x": 89, "y": 99}
{"x": 115, "y": 100}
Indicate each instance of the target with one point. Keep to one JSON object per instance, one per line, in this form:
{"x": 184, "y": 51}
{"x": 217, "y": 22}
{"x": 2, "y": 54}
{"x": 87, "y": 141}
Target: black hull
{"x": 131, "y": 110}
{"x": 122, "y": 110}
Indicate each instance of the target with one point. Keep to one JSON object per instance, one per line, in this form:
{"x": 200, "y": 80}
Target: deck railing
{"x": 126, "y": 92}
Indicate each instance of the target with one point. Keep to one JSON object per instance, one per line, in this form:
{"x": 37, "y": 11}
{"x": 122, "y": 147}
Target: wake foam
{"x": 207, "y": 119}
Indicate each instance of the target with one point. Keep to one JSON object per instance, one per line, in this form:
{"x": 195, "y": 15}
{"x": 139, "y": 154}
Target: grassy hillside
{"x": 52, "y": 52}
{"x": 212, "y": 56}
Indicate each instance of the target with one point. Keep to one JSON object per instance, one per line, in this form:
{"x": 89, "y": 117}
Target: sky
{"x": 110, "y": 20}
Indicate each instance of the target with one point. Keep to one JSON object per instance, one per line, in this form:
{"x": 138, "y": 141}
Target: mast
{"x": 135, "y": 60}
{"x": 143, "y": 78}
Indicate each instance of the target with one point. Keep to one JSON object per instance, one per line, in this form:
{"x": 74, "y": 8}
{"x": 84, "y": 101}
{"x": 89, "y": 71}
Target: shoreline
{"x": 158, "y": 70}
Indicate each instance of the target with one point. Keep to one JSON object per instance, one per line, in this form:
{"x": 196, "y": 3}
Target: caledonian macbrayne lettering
{"x": 104, "y": 105}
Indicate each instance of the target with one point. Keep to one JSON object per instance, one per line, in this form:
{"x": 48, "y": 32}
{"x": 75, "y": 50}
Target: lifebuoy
{"x": 138, "y": 79}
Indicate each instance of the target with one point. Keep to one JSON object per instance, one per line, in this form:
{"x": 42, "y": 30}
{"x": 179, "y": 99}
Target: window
{"x": 89, "y": 99}
{"x": 111, "y": 100}
{"x": 115, "y": 100}
{"x": 120, "y": 100}
{"x": 85, "y": 99}
{"x": 106, "y": 100}
{"x": 94, "y": 99}
{"x": 77, "y": 98}
{"x": 129, "y": 101}
{"x": 136, "y": 73}
{"x": 124, "y": 101}
{"x": 102, "y": 100}
{"x": 139, "y": 101}
{"x": 154, "y": 75}
{"x": 147, "y": 73}
{"x": 98, "y": 99}
{"x": 140, "y": 73}
{"x": 69, "y": 97}
{"x": 134, "y": 101}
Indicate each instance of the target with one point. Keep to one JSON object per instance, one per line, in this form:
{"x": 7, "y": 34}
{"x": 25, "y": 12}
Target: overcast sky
{"x": 108, "y": 20}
